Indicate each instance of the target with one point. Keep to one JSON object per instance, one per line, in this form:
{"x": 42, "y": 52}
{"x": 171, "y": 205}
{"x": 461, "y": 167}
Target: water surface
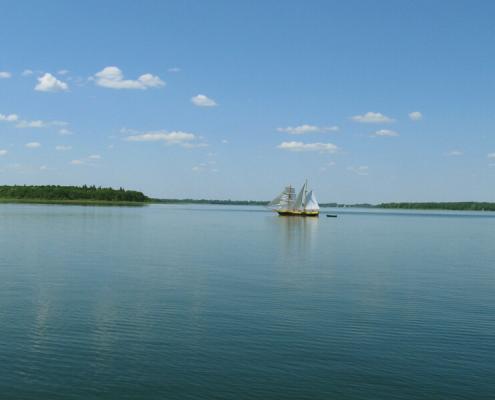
{"x": 211, "y": 302}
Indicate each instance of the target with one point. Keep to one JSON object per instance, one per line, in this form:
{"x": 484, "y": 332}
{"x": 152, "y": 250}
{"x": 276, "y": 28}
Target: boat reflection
{"x": 297, "y": 237}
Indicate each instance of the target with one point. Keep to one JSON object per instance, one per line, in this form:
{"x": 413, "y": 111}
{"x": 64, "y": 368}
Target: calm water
{"x": 183, "y": 302}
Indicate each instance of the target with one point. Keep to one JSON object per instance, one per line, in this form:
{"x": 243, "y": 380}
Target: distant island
{"x": 93, "y": 195}
{"x": 209, "y": 201}
{"x": 244, "y": 202}
{"x": 70, "y": 195}
{"x": 455, "y": 206}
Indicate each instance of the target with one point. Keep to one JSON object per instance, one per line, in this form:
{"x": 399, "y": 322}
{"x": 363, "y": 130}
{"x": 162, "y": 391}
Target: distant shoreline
{"x": 92, "y": 195}
{"x": 455, "y": 206}
{"x": 74, "y": 202}
{"x": 450, "y": 206}
{"x": 80, "y": 195}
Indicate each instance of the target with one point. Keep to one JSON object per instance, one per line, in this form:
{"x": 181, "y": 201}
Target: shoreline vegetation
{"x": 92, "y": 195}
{"x": 452, "y": 206}
{"x": 74, "y": 202}
{"x": 75, "y": 195}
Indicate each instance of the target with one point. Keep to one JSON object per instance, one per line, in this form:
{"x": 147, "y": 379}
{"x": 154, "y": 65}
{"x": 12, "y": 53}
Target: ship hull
{"x": 296, "y": 213}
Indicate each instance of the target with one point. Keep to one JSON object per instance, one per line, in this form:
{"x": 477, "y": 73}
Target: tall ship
{"x": 288, "y": 204}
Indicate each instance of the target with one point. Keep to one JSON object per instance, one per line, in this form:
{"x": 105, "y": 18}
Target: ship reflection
{"x": 297, "y": 235}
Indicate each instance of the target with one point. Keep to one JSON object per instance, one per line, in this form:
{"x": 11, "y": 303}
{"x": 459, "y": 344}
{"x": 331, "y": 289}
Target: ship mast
{"x": 301, "y": 198}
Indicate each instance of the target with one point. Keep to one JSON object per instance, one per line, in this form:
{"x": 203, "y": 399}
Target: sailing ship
{"x": 288, "y": 204}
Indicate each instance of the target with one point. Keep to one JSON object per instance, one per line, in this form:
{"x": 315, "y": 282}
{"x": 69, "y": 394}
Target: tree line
{"x": 93, "y": 193}
{"x": 456, "y": 206}
{"x": 57, "y": 192}
{"x": 207, "y": 201}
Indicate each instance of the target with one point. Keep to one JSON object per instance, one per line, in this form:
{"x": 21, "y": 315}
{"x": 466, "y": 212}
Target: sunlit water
{"x": 189, "y": 302}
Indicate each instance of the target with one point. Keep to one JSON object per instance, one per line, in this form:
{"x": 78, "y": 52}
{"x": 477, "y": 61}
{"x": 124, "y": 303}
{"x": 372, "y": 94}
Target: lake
{"x": 212, "y": 302}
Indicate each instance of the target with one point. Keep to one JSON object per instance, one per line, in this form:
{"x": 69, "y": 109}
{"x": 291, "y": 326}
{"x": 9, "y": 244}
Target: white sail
{"x": 289, "y": 204}
{"x": 301, "y": 198}
{"x": 284, "y": 200}
{"x": 311, "y": 203}
{"x": 276, "y": 201}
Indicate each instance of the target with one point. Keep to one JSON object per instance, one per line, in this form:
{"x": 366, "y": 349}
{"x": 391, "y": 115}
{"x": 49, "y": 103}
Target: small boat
{"x": 302, "y": 205}
{"x": 332, "y": 215}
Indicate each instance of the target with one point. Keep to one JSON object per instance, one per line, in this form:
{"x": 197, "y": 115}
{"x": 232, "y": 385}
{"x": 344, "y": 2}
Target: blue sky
{"x": 370, "y": 100}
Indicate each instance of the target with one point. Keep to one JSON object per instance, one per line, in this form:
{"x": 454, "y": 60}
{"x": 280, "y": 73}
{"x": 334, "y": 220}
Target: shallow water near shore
{"x": 200, "y": 302}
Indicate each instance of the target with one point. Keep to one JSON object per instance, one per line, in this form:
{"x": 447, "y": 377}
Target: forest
{"x": 457, "y": 206}
{"x": 207, "y": 201}
{"x": 90, "y": 194}
{"x": 70, "y": 193}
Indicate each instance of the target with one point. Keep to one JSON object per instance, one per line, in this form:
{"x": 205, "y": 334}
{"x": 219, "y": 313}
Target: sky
{"x": 371, "y": 101}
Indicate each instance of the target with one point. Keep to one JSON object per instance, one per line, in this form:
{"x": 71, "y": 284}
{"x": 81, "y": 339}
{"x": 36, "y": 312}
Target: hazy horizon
{"x": 371, "y": 102}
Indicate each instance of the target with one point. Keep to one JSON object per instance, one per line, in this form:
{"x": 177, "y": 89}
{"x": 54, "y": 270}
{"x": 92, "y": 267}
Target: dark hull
{"x": 291, "y": 213}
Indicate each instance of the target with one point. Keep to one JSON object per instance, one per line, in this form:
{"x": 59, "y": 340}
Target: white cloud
{"x": 415, "y": 115}
{"x": 305, "y": 128}
{"x": 62, "y": 147}
{"x": 3, "y": 152}
{"x": 64, "y": 132}
{"x": 225, "y": 141}
{"x": 126, "y": 131}
{"x": 372, "y": 118}
{"x": 175, "y": 137}
{"x": 5, "y": 75}
{"x": 491, "y": 155}
{"x": 201, "y": 100}
{"x": 62, "y": 72}
{"x": 455, "y": 153}
{"x": 77, "y": 162}
{"x": 31, "y": 124}
{"x": 113, "y": 78}
{"x": 95, "y": 157}
{"x": 208, "y": 166}
{"x": 59, "y": 123}
{"x": 385, "y": 132}
{"x": 33, "y": 145}
{"x": 38, "y": 123}
{"x": 174, "y": 69}
{"x": 43, "y": 168}
{"x": 27, "y": 72}
{"x": 9, "y": 117}
{"x": 194, "y": 145}
{"x": 300, "y": 146}
{"x": 149, "y": 80}
{"x": 48, "y": 83}
{"x": 361, "y": 170}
